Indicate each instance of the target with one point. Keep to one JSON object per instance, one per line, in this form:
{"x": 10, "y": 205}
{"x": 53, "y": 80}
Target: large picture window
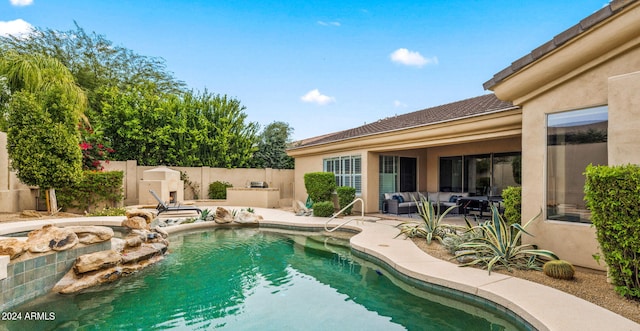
{"x": 575, "y": 139}
{"x": 348, "y": 170}
{"x": 483, "y": 174}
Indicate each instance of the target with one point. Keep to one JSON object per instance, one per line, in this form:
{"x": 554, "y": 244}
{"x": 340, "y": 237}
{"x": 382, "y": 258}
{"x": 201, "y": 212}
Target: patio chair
{"x": 163, "y": 207}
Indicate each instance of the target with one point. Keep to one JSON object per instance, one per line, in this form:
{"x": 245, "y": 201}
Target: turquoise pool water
{"x": 249, "y": 279}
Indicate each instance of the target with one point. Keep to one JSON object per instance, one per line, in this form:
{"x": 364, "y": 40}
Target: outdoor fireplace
{"x": 165, "y": 182}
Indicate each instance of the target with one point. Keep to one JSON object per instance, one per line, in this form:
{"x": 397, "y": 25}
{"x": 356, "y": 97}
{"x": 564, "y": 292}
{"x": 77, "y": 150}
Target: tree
{"x": 43, "y": 149}
{"x": 37, "y": 73}
{"x": 272, "y": 145}
{"x": 95, "y": 61}
{"x": 44, "y": 108}
{"x": 191, "y": 129}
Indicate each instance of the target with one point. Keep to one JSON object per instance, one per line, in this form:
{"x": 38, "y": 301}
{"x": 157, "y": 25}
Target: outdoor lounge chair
{"x": 163, "y": 207}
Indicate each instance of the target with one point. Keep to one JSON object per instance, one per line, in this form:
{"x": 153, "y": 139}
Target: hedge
{"x": 512, "y": 199}
{"x": 95, "y": 188}
{"x": 613, "y": 197}
{"x": 346, "y": 195}
{"x": 320, "y": 185}
{"x": 323, "y": 209}
{"x": 218, "y": 190}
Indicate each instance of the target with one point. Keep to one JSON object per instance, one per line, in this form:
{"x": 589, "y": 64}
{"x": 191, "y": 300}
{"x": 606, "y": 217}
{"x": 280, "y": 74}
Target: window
{"x": 477, "y": 179}
{"x": 348, "y": 171}
{"x": 485, "y": 174}
{"x": 575, "y": 139}
{"x": 451, "y": 174}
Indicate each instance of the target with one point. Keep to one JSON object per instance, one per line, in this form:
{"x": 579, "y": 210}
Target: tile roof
{"x": 607, "y": 11}
{"x": 481, "y": 105}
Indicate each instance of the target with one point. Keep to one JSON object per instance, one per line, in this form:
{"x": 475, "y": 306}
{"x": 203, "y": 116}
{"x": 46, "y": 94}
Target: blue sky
{"x": 321, "y": 66}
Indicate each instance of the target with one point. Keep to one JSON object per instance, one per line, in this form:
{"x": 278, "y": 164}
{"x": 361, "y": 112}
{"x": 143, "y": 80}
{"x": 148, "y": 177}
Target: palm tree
{"x": 39, "y": 73}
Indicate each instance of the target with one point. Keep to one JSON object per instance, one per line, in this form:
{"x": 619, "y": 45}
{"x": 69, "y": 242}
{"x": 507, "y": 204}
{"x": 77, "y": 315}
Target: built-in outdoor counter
{"x": 253, "y": 197}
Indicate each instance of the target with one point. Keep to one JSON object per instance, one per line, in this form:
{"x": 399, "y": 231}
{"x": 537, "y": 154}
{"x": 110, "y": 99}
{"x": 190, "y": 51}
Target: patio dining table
{"x": 478, "y": 203}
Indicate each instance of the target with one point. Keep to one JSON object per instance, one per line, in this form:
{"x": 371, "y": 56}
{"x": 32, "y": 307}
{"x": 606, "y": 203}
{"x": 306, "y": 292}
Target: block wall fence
{"x": 16, "y": 196}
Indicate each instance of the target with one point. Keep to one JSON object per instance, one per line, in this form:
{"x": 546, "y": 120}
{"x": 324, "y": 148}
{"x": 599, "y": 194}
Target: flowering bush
{"x": 93, "y": 152}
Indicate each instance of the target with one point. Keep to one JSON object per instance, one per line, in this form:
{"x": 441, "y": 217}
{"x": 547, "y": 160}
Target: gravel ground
{"x": 588, "y": 284}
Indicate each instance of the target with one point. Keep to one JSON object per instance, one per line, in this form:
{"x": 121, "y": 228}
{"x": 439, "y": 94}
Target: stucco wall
{"x": 614, "y": 83}
{"x": 427, "y": 164}
{"x": 281, "y": 179}
{"x": 14, "y": 195}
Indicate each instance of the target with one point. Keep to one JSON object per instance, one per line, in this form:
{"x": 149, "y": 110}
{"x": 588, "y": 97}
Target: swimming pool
{"x": 245, "y": 279}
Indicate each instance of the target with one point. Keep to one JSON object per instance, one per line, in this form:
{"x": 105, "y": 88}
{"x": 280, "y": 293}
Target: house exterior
{"x": 570, "y": 102}
{"x": 454, "y": 148}
{"x": 580, "y": 105}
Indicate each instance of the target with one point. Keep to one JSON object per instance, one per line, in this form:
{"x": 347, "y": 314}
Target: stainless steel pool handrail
{"x": 340, "y": 212}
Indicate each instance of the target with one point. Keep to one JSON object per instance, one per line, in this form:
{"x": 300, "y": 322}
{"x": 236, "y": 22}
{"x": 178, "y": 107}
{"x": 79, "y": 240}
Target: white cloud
{"x": 314, "y": 96}
{"x": 323, "y": 23}
{"x": 18, "y": 28}
{"x": 399, "y": 104}
{"x": 21, "y": 3}
{"x": 407, "y": 57}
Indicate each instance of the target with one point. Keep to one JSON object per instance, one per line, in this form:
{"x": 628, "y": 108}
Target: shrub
{"x": 323, "y": 209}
{"x": 430, "y": 228}
{"x": 559, "y": 269}
{"x": 346, "y": 195}
{"x": 613, "y": 196}
{"x": 512, "y": 199}
{"x": 218, "y": 190}
{"x": 109, "y": 211}
{"x": 500, "y": 246}
{"x": 320, "y": 185}
{"x": 93, "y": 189}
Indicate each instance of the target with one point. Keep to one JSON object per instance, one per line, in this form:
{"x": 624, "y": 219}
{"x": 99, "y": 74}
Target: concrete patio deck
{"x": 543, "y": 307}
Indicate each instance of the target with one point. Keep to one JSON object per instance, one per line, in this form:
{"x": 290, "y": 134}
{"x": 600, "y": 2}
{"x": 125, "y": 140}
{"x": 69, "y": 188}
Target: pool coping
{"x": 545, "y": 308}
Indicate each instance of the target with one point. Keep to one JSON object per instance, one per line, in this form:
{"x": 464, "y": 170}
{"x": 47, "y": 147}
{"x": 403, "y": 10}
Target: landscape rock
{"x": 136, "y": 222}
{"x": 465, "y": 258}
{"x": 144, "y": 252}
{"x": 132, "y": 240}
{"x": 12, "y": 247}
{"x": 300, "y": 209}
{"x": 72, "y": 283}
{"x": 96, "y": 261}
{"x": 118, "y": 244}
{"x": 223, "y": 216}
{"x": 91, "y": 234}
{"x": 161, "y": 231}
{"x": 51, "y": 238}
{"x": 245, "y": 217}
{"x": 147, "y": 215}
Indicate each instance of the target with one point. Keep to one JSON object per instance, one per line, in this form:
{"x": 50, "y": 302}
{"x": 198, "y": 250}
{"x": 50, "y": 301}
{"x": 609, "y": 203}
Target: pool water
{"x": 249, "y": 279}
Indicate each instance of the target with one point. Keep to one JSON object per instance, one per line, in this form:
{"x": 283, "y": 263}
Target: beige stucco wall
{"x": 14, "y": 195}
{"x": 624, "y": 98}
{"x": 427, "y": 163}
{"x": 567, "y": 80}
{"x": 314, "y": 163}
{"x": 282, "y": 179}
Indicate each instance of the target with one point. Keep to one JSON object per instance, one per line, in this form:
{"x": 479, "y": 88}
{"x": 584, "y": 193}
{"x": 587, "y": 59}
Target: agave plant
{"x": 500, "y": 246}
{"x": 204, "y": 214}
{"x": 430, "y": 227}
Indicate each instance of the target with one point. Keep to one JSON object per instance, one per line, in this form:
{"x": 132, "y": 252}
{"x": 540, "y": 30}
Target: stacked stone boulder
{"x": 141, "y": 247}
{"x": 224, "y": 216}
{"x": 52, "y": 238}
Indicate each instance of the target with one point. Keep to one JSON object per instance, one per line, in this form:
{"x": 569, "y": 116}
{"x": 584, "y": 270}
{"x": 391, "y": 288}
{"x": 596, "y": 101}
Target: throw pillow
{"x": 453, "y": 198}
